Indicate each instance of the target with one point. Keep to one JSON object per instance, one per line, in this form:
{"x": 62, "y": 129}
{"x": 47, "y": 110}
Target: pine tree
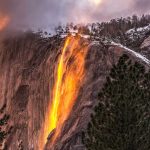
{"x": 3, "y": 122}
{"x": 122, "y": 118}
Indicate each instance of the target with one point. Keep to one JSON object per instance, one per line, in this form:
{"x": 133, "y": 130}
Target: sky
{"x": 43, "y": 13}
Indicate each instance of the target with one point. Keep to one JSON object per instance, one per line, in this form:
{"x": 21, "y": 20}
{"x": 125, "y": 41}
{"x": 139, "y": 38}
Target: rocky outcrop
{"x": 146, "y": 47}
{"x": 27, "y": 69}
{"x": 146, "y": 43}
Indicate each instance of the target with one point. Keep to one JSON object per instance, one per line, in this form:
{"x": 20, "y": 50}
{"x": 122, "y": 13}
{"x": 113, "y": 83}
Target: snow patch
{"x": 133, "y": 34}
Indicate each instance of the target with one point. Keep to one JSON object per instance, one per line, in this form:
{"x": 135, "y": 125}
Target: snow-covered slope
{"x": 133, "y": 34}
{"x": 138, "y": 55}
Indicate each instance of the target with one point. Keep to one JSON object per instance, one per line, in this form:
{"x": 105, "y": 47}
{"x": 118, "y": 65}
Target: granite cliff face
{"x": 27, "y": 77}
{"x": 27, "y": 64}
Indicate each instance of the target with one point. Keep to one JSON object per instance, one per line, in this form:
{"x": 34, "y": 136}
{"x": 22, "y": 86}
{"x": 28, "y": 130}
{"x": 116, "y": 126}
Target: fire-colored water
{"x": 69, "y": 78}
{"x": 4, "y": 20}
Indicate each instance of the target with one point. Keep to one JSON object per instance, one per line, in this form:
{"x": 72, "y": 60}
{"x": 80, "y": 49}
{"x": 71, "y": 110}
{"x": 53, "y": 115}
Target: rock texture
{"x": 145, "y": 46}
{"x": 27, "y": 69}
{"x": 146, "y": 43}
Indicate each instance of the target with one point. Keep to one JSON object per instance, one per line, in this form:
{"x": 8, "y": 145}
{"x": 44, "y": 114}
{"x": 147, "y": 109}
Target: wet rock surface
{"x": 98, "y": 64}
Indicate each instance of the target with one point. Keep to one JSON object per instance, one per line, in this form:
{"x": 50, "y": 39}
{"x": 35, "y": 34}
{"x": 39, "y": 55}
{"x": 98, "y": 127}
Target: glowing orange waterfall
{"x": 69, "y": 78}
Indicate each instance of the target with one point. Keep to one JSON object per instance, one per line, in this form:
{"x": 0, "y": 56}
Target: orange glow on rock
{"x": 4, "y": 20}
{"x": 69, "y": 78}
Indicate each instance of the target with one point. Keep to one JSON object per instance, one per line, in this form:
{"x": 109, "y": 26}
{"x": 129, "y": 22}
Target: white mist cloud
{"x": 41, "y": 13}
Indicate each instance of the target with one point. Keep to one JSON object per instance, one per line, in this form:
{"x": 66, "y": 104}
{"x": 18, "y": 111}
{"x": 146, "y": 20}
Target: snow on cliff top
{"x": 141, "y": 29}
{"x": 138, "y": 55}
{"x": 139, "y": 32}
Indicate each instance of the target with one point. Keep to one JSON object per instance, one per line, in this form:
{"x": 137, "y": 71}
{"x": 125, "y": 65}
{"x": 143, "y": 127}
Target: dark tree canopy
{"x": 122, "y": 118}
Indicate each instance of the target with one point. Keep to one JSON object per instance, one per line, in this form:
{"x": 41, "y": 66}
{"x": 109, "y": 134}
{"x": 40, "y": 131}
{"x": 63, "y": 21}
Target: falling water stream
{"x": 69, "y": 78}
